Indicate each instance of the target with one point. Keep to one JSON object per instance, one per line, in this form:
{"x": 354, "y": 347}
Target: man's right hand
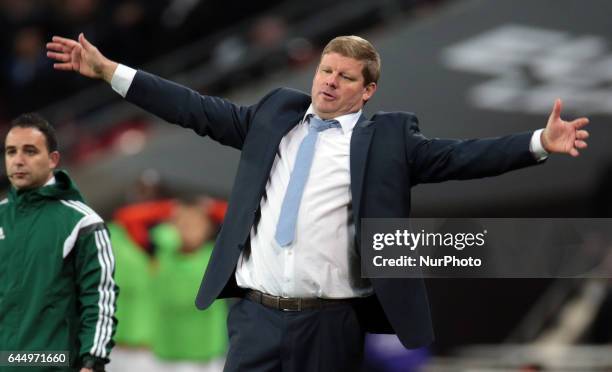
{"x": 80, "y": 56}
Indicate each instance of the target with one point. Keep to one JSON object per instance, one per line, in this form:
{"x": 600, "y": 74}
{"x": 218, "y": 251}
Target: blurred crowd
{"x": 229, "y": 33}
{"x": 135, "y": 31}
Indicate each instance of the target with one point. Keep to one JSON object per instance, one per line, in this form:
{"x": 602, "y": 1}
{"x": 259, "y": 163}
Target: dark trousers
{"x": 322, "y": 340}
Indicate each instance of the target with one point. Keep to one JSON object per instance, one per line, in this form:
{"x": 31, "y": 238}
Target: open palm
{"x": 80, "y": 56}
{"x": 565, "y": 137}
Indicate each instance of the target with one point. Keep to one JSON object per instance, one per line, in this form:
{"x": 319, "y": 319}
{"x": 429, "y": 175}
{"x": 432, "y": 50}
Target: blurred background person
{"x": 185, "y": 338}
{"x": 160, "y": 243}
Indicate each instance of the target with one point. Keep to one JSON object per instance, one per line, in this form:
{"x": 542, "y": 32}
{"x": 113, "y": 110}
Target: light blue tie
{"x": 285, "y": 229}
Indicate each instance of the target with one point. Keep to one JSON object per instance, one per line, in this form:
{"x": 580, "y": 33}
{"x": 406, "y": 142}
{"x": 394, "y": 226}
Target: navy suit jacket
{"x": 388, "y": 156}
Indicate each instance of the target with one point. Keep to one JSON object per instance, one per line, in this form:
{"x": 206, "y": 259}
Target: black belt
{"x": 292, "y": 304}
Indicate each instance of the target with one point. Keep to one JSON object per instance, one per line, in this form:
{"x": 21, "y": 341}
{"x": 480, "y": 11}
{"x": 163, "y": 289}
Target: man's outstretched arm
{"x": 218, "y": 118}
{"x": 436, "y": 160}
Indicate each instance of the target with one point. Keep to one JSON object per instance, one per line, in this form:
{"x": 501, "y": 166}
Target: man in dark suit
{"x": 311, "y": 168}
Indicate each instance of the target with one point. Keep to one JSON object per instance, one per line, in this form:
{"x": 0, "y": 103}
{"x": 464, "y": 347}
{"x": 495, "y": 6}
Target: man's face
{"x": 28, "y": 161}
{"x": 337, "y": 87}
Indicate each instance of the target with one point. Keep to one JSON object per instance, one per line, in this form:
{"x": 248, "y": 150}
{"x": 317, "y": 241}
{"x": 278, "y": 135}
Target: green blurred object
{"x": 182, "y": 332}
{"x": 133, "y": 275}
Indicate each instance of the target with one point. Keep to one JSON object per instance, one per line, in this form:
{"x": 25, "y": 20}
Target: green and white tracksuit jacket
{"x": 57, "y": 291}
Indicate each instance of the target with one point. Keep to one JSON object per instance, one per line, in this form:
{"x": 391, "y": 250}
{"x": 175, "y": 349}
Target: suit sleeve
{"x": 218, "y": 118}
{"x": 97, "y": 294}
{"x": 437, "y": 160}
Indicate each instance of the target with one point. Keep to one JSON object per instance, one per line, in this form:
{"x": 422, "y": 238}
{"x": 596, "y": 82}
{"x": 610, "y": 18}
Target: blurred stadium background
{"x": 467, "y": 68}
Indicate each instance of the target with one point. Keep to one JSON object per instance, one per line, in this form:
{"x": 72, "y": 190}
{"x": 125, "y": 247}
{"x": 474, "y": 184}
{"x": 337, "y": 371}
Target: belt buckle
{"x": 299, "y": 306}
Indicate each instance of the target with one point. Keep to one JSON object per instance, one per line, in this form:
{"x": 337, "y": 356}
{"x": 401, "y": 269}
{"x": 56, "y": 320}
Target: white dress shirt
{"x": 322, "y": 260}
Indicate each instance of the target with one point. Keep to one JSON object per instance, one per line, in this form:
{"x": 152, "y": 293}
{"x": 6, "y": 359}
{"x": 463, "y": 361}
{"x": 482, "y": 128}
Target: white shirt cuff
{"x": 535, "y": 146}
{"x": 122, "y": 79}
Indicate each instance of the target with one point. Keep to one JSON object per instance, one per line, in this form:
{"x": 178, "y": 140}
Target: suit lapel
{"x": 283, "y": 124}
{"x": 360, "y": 147}
{"x": 286, "y": 122}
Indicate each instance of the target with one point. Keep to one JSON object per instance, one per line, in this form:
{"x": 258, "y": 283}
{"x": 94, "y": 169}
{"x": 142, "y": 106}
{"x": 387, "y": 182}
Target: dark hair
{"x": 360, "y": 49}
{"x": 36, "y": 121}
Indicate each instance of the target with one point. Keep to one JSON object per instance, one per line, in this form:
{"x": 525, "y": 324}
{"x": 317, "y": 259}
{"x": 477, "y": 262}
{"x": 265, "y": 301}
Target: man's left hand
{"x": 564, "y": 137}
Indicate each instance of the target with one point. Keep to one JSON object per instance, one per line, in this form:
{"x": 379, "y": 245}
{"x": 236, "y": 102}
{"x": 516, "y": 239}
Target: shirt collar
{"x": 347, "y": 121}
{"x": 50, "y": 182}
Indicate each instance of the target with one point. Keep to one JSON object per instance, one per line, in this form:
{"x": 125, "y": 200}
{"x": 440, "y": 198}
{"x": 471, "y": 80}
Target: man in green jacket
{"x": 57, "y": 292}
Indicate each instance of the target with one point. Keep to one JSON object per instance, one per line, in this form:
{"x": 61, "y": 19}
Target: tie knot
{"x": 320, "y": 125}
